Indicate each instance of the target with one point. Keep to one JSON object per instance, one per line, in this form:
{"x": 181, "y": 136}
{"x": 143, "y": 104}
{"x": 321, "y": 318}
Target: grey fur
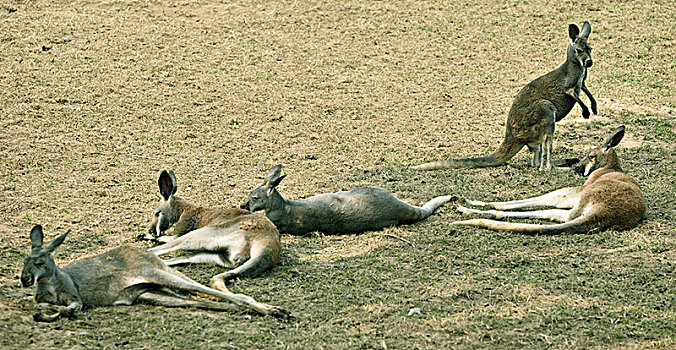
{"x": 609, "y": 199}
{"x": 536, "y": 109}
{"x": 360, "y": 209}
{"x": 121, "y": 276}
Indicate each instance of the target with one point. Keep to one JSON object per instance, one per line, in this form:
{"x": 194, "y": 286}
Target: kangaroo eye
{"x": 157, "y": 213}
{"x": 39, "y": 263}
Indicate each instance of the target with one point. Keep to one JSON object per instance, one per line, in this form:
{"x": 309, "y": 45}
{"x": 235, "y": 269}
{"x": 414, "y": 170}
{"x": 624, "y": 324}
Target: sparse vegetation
{"x": 97, "y": 97}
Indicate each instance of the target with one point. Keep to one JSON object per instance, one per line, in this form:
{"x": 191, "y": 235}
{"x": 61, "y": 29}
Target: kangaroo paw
{"x": 585, "y": 113}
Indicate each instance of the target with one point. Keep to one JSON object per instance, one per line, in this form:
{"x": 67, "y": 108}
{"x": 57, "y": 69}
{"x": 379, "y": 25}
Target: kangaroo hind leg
{"x": 261, "y": 259}
{"x": 174, "y": 281}
{"x": 167, "y": 298}
{"x": 200, "y": 258}
{"x": 559, "y": 215}
{"x": 564, "y": 198}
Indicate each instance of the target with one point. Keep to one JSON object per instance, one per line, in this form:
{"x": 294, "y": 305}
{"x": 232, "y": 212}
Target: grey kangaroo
{"x": 360, "y": 209}
{"x": 536, "y": 109}
{"x": 121, "y": 276}
{"x": 609, "y": 199}
{"x": 233, "y": 238}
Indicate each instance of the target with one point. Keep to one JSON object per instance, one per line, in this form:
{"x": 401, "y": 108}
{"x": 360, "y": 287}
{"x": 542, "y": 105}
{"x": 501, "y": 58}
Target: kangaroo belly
{"x": 358, "y": 210}
{"x": 103, "y": 279}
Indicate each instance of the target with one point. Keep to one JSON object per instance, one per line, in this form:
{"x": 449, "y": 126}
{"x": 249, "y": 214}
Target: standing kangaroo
{"x": 609, "y": 199}
{"x": 233, "y": 238}
{"x": 536, "y": 109}
{"x": 360, "y": 209}
{"x": 121, "y": 276}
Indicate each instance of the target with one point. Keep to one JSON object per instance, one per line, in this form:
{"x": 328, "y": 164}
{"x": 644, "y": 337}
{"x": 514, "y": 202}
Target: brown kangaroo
{"x": 536, "y": 109}
{"x": 233, "y": 238}
{"x": 609, "y": 199}
{"x": 121, "y": 276}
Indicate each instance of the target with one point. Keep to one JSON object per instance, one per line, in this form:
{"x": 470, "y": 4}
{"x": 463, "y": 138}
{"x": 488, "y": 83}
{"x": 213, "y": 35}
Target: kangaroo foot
{"x": 280, "y": 313}
{"x": 218, "y": 283}
{"x": 479, "y": 204}
{"x": 565, "y": 162}
{"x": 491, "y": 214}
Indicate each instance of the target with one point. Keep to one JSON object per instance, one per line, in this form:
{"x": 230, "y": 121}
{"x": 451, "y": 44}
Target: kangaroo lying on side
{"x": 121, "y": 276}
{"x": 360, "y": 209}
{"x": 609, "y": 199}
{"x": 233, "y": 238}
{"x": 536, "y": 109}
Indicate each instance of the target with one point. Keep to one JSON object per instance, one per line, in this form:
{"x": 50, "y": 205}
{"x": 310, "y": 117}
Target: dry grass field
{"x": 96, "y": 97}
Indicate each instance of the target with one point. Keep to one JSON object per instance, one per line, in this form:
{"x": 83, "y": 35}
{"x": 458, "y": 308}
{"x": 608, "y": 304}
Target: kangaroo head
{"x": 167, "y": 211}
{"x": 40, "y": 262}
{"x": 579, "y": 51}
{"x": 604, "y": 156}
{"x": 259, "y": 198}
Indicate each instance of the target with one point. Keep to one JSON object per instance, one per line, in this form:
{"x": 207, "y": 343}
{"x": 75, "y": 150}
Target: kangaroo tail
{"x": 420, "y": 213}
{"x": 576, "y": 225}
{"x": 505, "y": 152}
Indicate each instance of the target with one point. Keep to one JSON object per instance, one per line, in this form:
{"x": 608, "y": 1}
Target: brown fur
{"x": 245, "y": 242}
{"x": 609, "y": 199}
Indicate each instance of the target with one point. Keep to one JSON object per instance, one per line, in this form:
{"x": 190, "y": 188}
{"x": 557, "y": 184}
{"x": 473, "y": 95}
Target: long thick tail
{"x": 574, "y": 226}
{"x": 420, "y": 213}
{"x": 505, "y": 152}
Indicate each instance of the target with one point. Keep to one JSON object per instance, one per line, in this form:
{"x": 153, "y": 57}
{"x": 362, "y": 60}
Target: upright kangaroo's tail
{"x": 505, "y": 152}
{"x": 420, "y": 213}
{"x": 574, "y": 226}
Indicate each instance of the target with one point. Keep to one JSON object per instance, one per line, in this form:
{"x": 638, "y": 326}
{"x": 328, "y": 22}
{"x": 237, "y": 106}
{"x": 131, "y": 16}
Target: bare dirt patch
{"x": 97, "y": 97}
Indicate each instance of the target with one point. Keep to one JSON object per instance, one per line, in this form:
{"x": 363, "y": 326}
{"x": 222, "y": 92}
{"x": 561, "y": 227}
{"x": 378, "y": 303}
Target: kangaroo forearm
{"x": 591, "y": 98}
{"x": 585, "y": 110}
{"x": 589, "y": 94}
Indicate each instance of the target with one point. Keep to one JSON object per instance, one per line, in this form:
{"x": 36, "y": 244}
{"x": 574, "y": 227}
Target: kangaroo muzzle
{"x": 588, "y": 63}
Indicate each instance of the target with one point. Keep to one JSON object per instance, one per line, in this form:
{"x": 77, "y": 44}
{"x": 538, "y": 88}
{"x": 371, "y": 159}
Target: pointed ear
{"x": 167, "y": 184}
{"x": 56, "y": 242}
{"x": 613, "y": 139}
{"x": 573, "y": 32}
{"x": 272, "y": 185}
{"x": 273, "y": 174}
{"x": 36, "y": 237}
{"x": 586, "y": 30}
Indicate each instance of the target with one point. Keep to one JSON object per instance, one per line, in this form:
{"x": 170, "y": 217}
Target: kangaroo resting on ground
{"x": 121, "y": 276}
{"x": 609, "y": 199}
{"x": 360, "y": 209}
{"x": 536, "y": 109}
{"x": 233, "y": 238}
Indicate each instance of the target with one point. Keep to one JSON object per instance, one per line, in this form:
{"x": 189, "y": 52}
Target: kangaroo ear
{"x": 56, "y": 242}
{"x": 586, "y": 30}
{"x": 36, "y": 237}
{"x": 167, "y": 184}
{"x": 271, "y": 186}
{"x": 273, "y": 174}
{"x": 573, "y": 32}
{"x": 613, "y": 139}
